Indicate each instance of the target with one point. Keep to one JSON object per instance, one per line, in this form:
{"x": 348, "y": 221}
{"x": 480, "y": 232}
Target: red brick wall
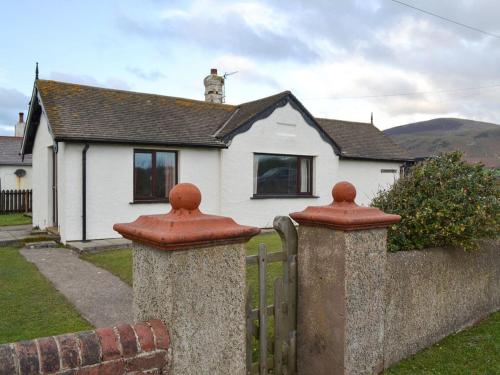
{"x": 141, "y": 348}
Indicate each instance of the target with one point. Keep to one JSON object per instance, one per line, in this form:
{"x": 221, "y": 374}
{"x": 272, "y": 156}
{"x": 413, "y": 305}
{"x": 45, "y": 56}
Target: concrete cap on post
{"x": 343, "y": 213}
{"x": 185, "y": 226}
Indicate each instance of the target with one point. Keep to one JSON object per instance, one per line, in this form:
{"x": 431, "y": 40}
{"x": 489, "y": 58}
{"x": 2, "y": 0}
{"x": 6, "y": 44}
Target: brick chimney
{"x": 214, "y": 87}
{"x": 20, "y": 125}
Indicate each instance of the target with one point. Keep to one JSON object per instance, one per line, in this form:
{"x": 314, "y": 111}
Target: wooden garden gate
{"x": 272, "y": 329}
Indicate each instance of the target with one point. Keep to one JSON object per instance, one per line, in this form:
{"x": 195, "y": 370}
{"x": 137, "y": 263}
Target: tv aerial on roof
{"x": 230, "y": 74}
{"x": 225, "y": 75}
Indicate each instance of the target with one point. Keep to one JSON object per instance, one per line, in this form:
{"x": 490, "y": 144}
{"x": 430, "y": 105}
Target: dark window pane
{"x": 275, "y": 174}
{"x": 165, "y": 173}
{"x": 143, "y": 164}
{"x": 305, "y": 173}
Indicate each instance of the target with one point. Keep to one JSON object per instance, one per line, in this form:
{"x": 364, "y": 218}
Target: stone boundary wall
{"x": 435, "y": 292}
{"x": 141, "y": 348}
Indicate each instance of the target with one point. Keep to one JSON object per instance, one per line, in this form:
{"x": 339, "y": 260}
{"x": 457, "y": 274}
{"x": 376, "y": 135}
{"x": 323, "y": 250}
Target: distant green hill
{"x": 479, "y": 141}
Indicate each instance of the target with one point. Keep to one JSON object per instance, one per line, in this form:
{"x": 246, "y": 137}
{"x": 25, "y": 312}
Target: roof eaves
{"x": 17, "y": 164}
{"x": 216, "y": 145}
{"x": 369, "y": 158}
{"x": 27, "y": 128}
{"x": 38, "y": 96}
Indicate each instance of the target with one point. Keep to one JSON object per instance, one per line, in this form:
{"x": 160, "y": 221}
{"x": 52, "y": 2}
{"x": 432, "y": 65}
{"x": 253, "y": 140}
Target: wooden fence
{"x": 279, "y": 355}
{"x": 12, "y": 201}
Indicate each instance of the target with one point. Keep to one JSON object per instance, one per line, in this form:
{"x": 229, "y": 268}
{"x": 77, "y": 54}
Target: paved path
{"x": 102, "y": 298}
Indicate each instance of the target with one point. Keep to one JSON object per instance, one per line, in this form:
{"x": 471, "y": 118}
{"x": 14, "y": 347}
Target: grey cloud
{"x": 381, "y": 85}
{"x": 11, "y": 103}
{"x": 258, "y": 77}
{"x": 351, "y": 27}
{"x": 229, "y": 34}
{"x": 147, "y": 75}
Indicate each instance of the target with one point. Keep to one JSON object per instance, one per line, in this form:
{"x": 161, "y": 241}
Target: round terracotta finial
{"x": 185, "y": 195}
{"x": 344, "y": 192}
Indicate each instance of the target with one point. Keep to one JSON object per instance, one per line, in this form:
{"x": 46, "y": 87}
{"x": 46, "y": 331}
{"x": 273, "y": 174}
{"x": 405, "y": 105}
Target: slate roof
{"x": 360, "y": 140}
{"x": 78, "y": 112}
{"x": 9, "y": 151}
{"x": 85, "y": 113}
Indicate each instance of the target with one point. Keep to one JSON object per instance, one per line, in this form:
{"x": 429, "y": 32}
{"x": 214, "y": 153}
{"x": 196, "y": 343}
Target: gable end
{"x": 266, "y": 112}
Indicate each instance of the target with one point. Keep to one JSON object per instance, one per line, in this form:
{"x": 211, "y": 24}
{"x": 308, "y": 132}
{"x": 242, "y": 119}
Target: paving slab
{"x": 93, "y": 246}
{"x": 6, "y": 238}
{"x": 100, "y": 297}
{"x": 14, "y": 234}
{"x": 23, "y": 227}
{"x": 41, "y": 245}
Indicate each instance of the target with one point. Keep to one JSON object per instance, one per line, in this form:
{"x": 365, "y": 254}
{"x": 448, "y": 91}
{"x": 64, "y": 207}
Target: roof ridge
{"x": 287, "y": 92}
{"x": 163, "y": 96}
{"x": 137, "y": 92}
{"x": 338, "y": 120}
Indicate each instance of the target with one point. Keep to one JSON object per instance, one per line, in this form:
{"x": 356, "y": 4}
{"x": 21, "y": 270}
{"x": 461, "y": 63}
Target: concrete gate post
{"x": 189, "y": 271}
{"x": 341, "y": 262}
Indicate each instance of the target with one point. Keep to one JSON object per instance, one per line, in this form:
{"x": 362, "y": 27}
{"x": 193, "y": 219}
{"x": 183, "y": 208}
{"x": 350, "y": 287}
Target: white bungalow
{"x": 103, "y": 156}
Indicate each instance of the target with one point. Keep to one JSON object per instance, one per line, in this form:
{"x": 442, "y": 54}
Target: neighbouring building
{"x": 102, "y": 156}
{"x": 15, "y": 172}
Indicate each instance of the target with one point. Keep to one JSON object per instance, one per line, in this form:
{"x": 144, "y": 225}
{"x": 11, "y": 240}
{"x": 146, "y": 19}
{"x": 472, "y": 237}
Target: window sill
{"x": 255, "y": 196}
{"x": 163, "y": 201}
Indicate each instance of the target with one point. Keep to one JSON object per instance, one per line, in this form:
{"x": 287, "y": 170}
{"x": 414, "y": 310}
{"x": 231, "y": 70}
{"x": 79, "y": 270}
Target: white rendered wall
{"x": 283, "y": 132}
{"x": 9, "y": 181}
{"x": 110, "y": 176}
{"x": 366, "y": 176}
{"x": 42, "y": 176}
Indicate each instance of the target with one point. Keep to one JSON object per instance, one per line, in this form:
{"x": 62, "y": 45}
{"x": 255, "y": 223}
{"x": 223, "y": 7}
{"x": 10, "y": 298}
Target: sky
{"x": 342, "y": 59}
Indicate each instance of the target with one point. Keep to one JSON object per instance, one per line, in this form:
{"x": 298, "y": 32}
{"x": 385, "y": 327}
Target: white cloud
{"x": 257, "y": 15}
{"x": 84, "y": 79}
{"x": 6, "y": 130}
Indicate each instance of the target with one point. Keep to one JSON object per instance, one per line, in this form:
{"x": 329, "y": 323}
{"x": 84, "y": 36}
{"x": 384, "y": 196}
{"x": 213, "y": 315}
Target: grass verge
{"x": 14, "y": 219}
{"x": 30, "y": 306}
{"x": 471, "y": 352}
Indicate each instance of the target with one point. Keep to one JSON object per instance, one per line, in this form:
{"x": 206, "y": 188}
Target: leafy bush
{"x": 443, "y": 202}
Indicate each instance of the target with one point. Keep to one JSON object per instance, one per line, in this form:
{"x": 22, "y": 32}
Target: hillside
{"x": 480, "y": 141}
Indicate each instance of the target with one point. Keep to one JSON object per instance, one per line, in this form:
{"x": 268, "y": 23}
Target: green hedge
{"x": 443, "y": 201}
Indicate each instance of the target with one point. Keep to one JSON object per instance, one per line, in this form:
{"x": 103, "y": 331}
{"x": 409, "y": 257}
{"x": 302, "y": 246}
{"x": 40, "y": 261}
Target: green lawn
{"x": 14, "y": 219}
{"x": 474, "y": 351}
{"x": 29, "y": 305}
{"x": 118, "y": 262}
